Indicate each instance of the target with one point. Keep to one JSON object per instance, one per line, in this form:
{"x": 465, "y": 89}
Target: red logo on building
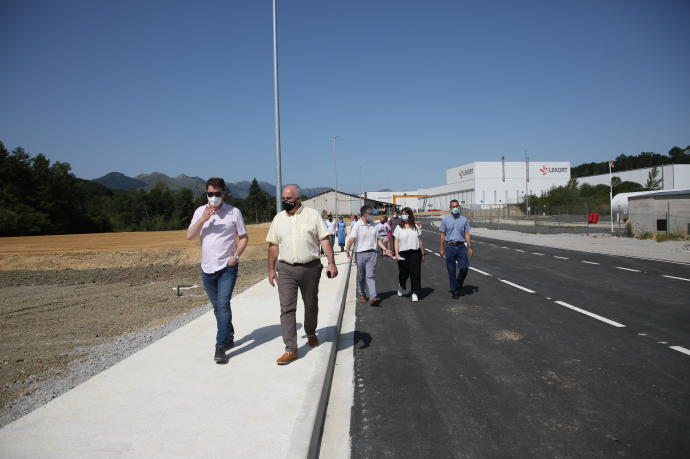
{"x": 544, "y": 170}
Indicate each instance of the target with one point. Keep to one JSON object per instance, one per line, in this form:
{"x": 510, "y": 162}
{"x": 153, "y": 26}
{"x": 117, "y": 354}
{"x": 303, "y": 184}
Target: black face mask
{"x": 288, "y": 206}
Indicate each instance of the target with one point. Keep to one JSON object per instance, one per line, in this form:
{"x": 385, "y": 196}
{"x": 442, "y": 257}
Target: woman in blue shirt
{"x": 341, "y": 233}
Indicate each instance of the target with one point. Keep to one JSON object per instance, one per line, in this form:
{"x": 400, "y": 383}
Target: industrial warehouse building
{"x": 347, "y": 204}
{"x": 671, "y": 176}
{"x": 483, "y": 183}
{"x": 660, "y": 211}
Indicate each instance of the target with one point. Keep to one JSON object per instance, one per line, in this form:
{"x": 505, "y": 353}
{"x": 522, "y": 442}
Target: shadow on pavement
{"x": 257, "y": 338}
{"x": 353, "y": 338}
{"x": 469, "y": 290}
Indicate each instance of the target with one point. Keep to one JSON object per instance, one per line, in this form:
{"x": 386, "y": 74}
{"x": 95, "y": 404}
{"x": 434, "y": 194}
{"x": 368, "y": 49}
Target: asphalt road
{"x": 549, "y": 353}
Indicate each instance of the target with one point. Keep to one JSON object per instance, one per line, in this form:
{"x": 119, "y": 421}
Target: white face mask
{"x": 405, "y": 217}
{"x": 455, "y": 210}
{"x": 215, "y": 201}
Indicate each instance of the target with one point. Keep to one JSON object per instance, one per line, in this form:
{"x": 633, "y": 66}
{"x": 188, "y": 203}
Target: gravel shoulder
{"x": 59, "y": 328}
{"x": 674, "y": 251}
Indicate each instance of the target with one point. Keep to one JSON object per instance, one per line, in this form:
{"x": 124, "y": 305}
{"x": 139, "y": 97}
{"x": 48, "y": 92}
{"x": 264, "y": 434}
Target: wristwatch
{"x": 236, "y": 257}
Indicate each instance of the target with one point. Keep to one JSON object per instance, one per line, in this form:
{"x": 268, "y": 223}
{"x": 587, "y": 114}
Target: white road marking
{"x": 503, "y": 247}
{"x": 479, "y": 271}
{"x": 628, "y": 269}
{"x": 681, "y": 349}
{"x": 589, "y": 262}
{"x": 429, "y": 250}
{"x": 437, "y": 254}
{"x": 591, "y": 314}
{"x": 674, "y": 277}
{"x": 535, "y": 253}
{"x": 562, "y": 258}
{"x": 641, "y": 334}
{"x": 662, "y": 342}
{"x": 518, "y": 250}
{"x": 517, "y": 286}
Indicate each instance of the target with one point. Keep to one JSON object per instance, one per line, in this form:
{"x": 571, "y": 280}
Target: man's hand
{"x": 333, "y": 269}
{"x": 208, "y": 212}
{"x": 272, "y": 277}
{"x": 469, "y": 251}
{"x": 348, "y": 254}
{"x": 442, "y": 251}
{"x": 233, "y": 261}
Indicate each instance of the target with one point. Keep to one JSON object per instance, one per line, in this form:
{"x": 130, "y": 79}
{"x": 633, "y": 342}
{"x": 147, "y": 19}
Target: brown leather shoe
{"x": 362, "y": 299}
{"x": 312, "y": 340}
{"x": 375, "y": 301}
{"x": 286, "y": 358}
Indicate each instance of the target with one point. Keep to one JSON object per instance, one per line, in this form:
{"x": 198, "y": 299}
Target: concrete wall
{"x": 674, "y": 176}
{"x": 645, "y": 211}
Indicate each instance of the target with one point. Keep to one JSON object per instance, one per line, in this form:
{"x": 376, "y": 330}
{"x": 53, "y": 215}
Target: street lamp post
{"x": 335, "y": 174}
{"x": 276, "y": 106}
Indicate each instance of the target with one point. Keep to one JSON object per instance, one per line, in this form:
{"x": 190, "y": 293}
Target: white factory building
{"x": 483, "y": 183}
{"x": 670, "y": 176}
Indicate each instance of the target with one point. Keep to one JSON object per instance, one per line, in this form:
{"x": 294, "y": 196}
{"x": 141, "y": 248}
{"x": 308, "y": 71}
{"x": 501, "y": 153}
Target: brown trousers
{"x": 306, "y": 277}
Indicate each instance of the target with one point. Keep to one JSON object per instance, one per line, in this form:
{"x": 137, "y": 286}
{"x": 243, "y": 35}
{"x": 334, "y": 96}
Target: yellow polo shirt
{"x": 297, "y": 236}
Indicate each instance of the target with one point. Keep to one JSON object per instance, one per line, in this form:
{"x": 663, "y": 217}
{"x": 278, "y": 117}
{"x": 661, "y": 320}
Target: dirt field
{"x": 60, "y": 295}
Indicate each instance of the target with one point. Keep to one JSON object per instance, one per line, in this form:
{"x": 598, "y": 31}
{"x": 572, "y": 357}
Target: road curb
{"x": 317, "y": 430}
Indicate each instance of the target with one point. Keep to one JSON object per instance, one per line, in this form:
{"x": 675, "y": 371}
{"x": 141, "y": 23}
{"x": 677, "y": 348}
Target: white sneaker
{"x": 400, "y": 291}
{"x": 414, "y": 297}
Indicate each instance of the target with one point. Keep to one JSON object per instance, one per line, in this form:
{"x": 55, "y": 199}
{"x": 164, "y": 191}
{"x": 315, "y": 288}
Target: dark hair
{"x": 454, "y": 200}
{"x": 215, "y": 182}
{"x": 364, "y": 209}
{"x": 409, "y": 220}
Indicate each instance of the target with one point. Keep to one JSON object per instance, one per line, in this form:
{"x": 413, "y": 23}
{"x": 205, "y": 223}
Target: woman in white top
{"x": 409, "y": 251}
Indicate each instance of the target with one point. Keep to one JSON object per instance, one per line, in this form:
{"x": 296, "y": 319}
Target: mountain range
{"x": 119, "y": 181}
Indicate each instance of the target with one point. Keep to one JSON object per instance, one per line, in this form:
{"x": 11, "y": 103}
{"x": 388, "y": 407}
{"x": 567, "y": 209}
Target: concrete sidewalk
{"x": 171, "y": 400}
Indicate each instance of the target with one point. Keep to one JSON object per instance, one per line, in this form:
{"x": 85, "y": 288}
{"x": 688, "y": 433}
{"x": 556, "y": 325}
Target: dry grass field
{"x": 112, "y": 250}
{"x": 61, "y": 296}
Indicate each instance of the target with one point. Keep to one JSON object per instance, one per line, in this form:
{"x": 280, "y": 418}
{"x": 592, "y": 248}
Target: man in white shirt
{"x": 332, "y": 228}
{"x": 366, "y": 237}
{"x": 223, "y": 235}
{"x": 294, "y": 239}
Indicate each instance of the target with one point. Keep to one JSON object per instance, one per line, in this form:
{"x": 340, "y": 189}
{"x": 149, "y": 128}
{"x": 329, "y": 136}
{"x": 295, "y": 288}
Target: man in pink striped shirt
{"x": 223, "y": 235}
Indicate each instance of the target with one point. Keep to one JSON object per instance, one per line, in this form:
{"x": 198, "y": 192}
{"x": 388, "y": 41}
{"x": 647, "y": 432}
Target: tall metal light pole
{"x": 335, "y": 174}
{"x": 526, "y": 183}
{"x": 276, "y": 106}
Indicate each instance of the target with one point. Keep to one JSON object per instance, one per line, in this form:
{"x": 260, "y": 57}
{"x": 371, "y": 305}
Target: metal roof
{"x": 654, "y": 194}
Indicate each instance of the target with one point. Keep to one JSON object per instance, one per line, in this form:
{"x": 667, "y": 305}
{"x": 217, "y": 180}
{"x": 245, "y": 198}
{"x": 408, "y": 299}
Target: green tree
{"x": 653, "y": 180}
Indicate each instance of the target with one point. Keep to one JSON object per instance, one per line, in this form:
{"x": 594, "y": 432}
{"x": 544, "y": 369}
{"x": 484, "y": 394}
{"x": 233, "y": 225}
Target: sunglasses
{"x": 217, "y": 194}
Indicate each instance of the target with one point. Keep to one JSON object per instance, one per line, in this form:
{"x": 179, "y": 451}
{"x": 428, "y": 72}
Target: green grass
{"x": 661, "y": 237}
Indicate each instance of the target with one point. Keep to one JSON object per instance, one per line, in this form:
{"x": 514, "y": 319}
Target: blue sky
{"x": 412, "y": 87}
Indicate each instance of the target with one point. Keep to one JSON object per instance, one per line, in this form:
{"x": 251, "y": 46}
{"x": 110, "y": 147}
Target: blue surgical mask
{"x": 405, "y": 217}
{"x": 455, "y": 210}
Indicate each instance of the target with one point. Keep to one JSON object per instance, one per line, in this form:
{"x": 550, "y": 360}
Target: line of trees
{"x": 39, "y": 197}
{"x": 676, "y": 155}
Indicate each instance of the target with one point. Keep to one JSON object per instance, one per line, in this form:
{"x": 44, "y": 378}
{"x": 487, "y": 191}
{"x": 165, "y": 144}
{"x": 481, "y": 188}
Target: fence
{"x": 547, "y": 219}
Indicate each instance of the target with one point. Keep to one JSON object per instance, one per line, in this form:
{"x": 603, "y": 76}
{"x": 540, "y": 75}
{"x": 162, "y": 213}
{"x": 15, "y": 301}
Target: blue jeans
{"x": 456, "y": 257}
{"x": 219, "y": 287}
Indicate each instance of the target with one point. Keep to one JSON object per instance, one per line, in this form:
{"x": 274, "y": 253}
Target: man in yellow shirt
{"x": 294, "y": 240}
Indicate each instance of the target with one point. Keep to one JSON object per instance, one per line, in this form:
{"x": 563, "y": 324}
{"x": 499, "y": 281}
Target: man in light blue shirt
{"x": 456, "y": 247}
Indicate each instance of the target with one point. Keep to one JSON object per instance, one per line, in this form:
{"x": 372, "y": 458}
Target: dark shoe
{"x": 375, "y": 301}
{"x": 312, "y": 340}
{"x": 220, "y": 356}
{"x": 286, "y": 358}
{"x": 456, "y": 295}
{"x": 362, "y": 299}
{"x": 230, "y": 345}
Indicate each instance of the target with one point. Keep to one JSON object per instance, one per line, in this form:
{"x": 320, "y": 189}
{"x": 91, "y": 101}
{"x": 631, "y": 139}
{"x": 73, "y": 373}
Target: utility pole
{"x": 335, "y": 173}
{"x": 526, "y": 183}
{"x": 276, "y": 108}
